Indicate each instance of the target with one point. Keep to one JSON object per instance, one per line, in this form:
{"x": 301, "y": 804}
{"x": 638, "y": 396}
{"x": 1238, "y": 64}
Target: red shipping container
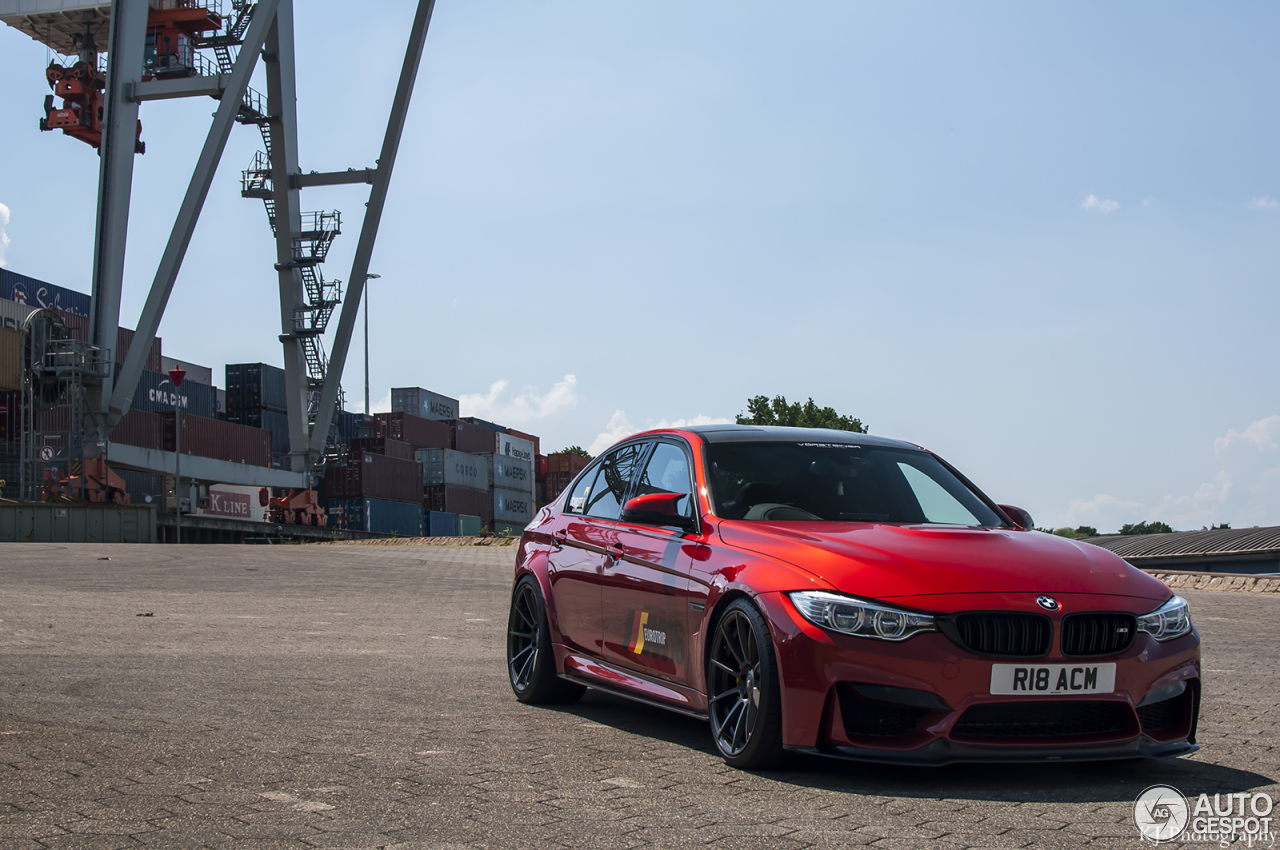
{"x": 469, "y": 438}
{"x": 141, "y": 429}
{"x": 459, "y": 500}
{"x": 419, "y": 433}
{"x": 367, "y": 475}
{"x": 382, "y": 446}
{"x": 540, "y": 469}
{"x": 215, "y": 438}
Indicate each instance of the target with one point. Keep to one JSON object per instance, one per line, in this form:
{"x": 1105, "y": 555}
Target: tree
{"x": 1220, "y": 526}
{"x": 577, "y": 450}
{"x": 1078, "y": 533}
{"x": 1156, "y": 527}
{"x": 764, "y": 411}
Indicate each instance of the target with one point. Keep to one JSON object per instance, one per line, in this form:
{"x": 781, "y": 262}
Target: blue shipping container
{"x": 155, "y": 394}
{"x": 377, "y": 515}
{"x": 37, "y": 293}
{"x": 441, "y": 524}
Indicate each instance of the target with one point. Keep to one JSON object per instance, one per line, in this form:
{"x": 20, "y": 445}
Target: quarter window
{"x": 609, "y": 489}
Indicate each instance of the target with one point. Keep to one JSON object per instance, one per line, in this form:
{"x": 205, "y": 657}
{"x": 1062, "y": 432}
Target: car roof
{"x": 779, "y": 434}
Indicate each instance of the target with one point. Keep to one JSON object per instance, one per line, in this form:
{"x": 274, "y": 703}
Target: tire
{"x": 531, "y": 662}
{"x": 744, "y": 698}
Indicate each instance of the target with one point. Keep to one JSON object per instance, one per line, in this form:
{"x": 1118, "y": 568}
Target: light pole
{"x": 176, "y": 376}
{"x": 367, "y": 278}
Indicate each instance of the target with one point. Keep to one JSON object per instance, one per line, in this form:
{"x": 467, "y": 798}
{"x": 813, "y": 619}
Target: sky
{"x": 1038, "y": 239}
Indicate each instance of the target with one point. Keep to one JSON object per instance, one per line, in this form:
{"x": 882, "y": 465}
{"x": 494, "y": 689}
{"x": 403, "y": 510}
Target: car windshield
{"x": 783, "y": 481}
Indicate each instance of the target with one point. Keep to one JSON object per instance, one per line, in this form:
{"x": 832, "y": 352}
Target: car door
{"x": 584, "y": 543}
{"x": 645, "y": 586}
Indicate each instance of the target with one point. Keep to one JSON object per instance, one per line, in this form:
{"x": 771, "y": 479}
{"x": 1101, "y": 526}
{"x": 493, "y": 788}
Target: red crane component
{"x": 297, "y": 507}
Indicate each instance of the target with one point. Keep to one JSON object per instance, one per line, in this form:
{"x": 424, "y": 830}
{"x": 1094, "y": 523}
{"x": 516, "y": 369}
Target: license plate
{"x": 1056, "y": 679}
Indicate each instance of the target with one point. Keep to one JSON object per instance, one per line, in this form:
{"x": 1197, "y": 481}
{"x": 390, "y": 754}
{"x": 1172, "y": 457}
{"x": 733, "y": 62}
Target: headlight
{"x": 855, "y": 617}
{"x": 1170, "y": 620}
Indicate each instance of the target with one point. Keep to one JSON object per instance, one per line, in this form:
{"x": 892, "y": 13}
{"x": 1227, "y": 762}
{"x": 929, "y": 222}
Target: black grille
{"x": 1163, "y": 715}
{"x": 1097, "y": 634}
{"x": 1043, "y": 720}
{"x": 876, "y": 719}
{"x": 1001, "y": 633}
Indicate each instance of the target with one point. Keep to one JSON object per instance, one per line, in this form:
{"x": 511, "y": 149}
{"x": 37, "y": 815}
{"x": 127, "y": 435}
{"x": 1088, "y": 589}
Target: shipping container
{"x": 417, "y": 432}
{"x": 469, "y": 526}
{"x": 219, "y": 403}
{"x": 124, "y": 341}
{"x": 456, "y": 469}
{"x": 378, "y": 516}
{"x": 144, "y": 488}
{"x": 423, "y": 403}
{"x": 232, "y": 501}
{"x": 348, "y": 423}
{"x": 274, "y": 421}
{"x": 484, "y": 423}
{"x": 512, "y": 506}
{"x": 219, "y": 440}
{"x": 441, "y": 524}
{"x": 509, "y": 529}
{"x": 11, "y": 360}
{"x": 537, "y": 441}
{"x": 13, "y": 315}
{"x": 256, "y": 385}
{"x": 470, "y": 438}
{"x": 516, "y": 447}
{"x": 459, "y": 500}
{"x": 141, "y": 429}
{"x": 37, "y": 293}
{"x": 382, "y": 446}
{"x": 10, "y": 416}
{"x": 155, "y": 394}
{"x": 540, "y": 468}
{"x": 199, "y": 374}
{"x": 566, "y": 462}
{"x": 510, "y": 473}
{"x": 366, "y": 475}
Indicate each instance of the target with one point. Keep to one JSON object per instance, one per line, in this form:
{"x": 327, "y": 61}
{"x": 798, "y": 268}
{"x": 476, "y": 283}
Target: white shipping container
{"x": 13, "y": 314}
{"x": 516, "y": 447}
{"x": 510, "y": 473}
{"x": 453, "y": 468}
{"x": 424, "y": 403}
{"x": 512, "y": 506}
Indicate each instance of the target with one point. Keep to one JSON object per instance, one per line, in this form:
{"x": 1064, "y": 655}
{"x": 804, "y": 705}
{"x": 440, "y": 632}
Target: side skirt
{"x": 629, "y": 685}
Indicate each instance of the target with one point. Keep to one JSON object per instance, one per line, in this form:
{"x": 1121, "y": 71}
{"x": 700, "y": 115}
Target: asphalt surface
{"x": 355, "y": 697}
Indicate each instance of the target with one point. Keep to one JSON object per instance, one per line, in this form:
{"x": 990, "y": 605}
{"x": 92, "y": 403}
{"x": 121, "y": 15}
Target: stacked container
{"x": 369, "y": 476}
{"x": 379, "y": 516}
{"x": 423, "y": 403}
{"x": 562, "y": 468}
{"x": 257, "y": 396}
{"x": 455, "y": 482}
{"x": 418, "y": 432}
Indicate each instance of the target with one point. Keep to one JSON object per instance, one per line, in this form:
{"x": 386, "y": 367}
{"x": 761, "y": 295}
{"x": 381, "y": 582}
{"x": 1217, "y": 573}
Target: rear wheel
{"x": 742, "y": 689}
{"x": 531, "y": 663}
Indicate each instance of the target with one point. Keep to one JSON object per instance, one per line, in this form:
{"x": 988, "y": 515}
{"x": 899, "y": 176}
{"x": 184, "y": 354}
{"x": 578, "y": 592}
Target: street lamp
{"x": 367, "y": 278}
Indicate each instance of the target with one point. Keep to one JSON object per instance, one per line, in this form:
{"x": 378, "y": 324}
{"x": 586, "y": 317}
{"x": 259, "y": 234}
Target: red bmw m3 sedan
{"x": 845, "y": 595}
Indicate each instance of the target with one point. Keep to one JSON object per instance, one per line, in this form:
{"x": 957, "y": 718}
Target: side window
{"x": 577, "y": 502}
{"x": 667, "y": 472}
{"x": 609, "y": 490}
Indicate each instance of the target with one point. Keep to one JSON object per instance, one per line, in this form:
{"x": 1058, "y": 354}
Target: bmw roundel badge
{"x": 1048, "y": 603}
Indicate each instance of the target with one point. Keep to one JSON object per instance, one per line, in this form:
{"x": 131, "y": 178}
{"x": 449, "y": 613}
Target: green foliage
{"x": 1156, "y": 527}
{"x": 777, "y": 411}
{"x": 1078, "y": 533}
{"x": 1220, "y": 527}
{"x": 576, "y": 450}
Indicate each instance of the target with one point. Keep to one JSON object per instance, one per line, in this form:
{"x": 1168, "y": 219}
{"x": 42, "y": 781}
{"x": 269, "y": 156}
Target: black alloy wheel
{"x": 531, "y": 665}
{"x": 742, "y": 689}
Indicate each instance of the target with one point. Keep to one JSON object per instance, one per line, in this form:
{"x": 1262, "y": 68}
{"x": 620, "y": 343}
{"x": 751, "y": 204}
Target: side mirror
{"x": 656, "y": 509}
{"x": 1020, "y": 518}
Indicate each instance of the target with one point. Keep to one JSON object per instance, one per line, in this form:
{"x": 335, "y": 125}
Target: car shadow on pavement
{"x": 1069, "y": 782}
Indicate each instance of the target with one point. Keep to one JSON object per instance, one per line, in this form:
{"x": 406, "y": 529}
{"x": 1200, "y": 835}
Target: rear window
{"x": 831, "y": 482}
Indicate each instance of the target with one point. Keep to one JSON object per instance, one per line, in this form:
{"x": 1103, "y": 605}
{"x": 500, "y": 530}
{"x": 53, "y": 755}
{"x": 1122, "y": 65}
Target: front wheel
{"x": 531, "y": 663}
{"x": 743, "y": 693}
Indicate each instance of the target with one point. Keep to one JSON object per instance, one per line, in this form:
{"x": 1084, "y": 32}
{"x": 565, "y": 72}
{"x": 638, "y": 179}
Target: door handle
{"x": 557, "y": 539}
{"x": 614, "y": 553}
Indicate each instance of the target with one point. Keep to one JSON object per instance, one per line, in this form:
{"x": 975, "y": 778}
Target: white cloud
{"x": 1245, "y": 492}
{"x": 503, "y": 407}
{"x": 1264, "y": 203}
{"x": 1092, "y": 204}
{"x": 382, "y": 405}
{"x": 620, "y": 428}
{"x": 4, "y": 237}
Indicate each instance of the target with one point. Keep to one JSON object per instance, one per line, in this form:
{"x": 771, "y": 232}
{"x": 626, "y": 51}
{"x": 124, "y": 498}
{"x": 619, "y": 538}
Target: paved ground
{"x": 355, "y": 697}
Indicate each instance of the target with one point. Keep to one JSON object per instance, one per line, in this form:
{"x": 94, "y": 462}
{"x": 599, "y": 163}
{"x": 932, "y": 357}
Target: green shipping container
{"x": 469, "y": 526}
{"x": 51, "y": 523}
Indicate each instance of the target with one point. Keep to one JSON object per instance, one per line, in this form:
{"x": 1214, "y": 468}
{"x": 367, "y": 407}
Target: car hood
{"x": 878, "y": 561}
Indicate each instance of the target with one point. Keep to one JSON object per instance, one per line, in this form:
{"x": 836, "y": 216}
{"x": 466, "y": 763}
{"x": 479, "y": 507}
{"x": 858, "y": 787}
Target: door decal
{"x": 654, "y": 636}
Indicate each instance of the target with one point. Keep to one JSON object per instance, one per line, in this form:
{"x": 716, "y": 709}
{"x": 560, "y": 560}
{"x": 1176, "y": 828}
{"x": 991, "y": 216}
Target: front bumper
{"x": 843, "y": 696}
